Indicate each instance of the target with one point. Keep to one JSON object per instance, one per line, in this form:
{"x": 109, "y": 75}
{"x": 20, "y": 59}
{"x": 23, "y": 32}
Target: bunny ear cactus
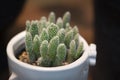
{"x": 52, "y": 43}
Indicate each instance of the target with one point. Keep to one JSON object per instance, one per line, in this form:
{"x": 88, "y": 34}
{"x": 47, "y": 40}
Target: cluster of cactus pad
{"x": 51, "y": 42}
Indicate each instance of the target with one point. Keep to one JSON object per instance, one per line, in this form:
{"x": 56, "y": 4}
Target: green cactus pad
{"x": 52, "y": 30}
{"x": 75, "y": 30}
{"x": 72, "y": 51}
{"x": 59, "y": 22}
{"x": 41, "y": 24}
{"x": 29, "y": 47}
{"x": 36, "y": 44}
{"x": 61, "y": 55}
{"x": 66, "y": 18}
{"x": 68, "y": 27}
{"x": 45, "y": 61}
{"x": 34, "y": 28}
{"x": 44, "y": 48}
{"x": 76, "y": 38}
{"x": 43, "y": 18}
{"x": 79, "y": 50}
{"x": 52, "y": 47}
{"x": 28, "y": 41}
{"x": 28, "y": 25}
{"x": 61, "y": 34}
{"x": 68, "y": 38}
{"x": 44, "y": 35}
{"x": 51, "y": 17}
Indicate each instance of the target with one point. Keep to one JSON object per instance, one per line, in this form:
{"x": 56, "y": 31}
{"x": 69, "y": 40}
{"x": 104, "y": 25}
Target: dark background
{"x": 107, "y": 37}
{"x": 9, "y": 10}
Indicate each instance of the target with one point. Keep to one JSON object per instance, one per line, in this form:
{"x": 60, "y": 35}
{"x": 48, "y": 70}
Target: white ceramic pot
{"x": 77, "y": 70}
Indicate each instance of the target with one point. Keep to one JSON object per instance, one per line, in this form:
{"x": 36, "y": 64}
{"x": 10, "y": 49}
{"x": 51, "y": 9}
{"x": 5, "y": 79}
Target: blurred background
{"x": 81, "y": 11}
{"x": 14, "y": 14}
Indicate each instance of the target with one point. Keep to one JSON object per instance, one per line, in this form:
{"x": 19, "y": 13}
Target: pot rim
{"x": 21, "y": 35}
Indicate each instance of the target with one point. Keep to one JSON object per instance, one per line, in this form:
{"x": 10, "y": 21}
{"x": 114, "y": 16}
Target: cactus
{"x": 34, "y": 28}
{"x": 51, "y": 17}
{"x": 29, "y": 46}
{"x": 61, "y": 54}
{"x": 72, "y": 51}
{"x": 44, "y": 54}
{"x": 79, "y": 50}
{"x": 52, "y": 43}
{"x": 36, "y": 43}
{"x": 68, "y": 38}
{"x": 44, "y": 35}
{"x": 61, "y": 34}
{"x": 52, "y": 47}
{"x": 66, "y": 18}
{"x": 60, "y": 22}
{"x": 52, "y": 30}
{"x": 28, "y": 25}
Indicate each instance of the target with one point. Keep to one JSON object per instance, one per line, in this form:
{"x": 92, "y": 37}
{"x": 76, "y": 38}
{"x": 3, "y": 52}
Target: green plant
{"x": 51, "y": 42}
